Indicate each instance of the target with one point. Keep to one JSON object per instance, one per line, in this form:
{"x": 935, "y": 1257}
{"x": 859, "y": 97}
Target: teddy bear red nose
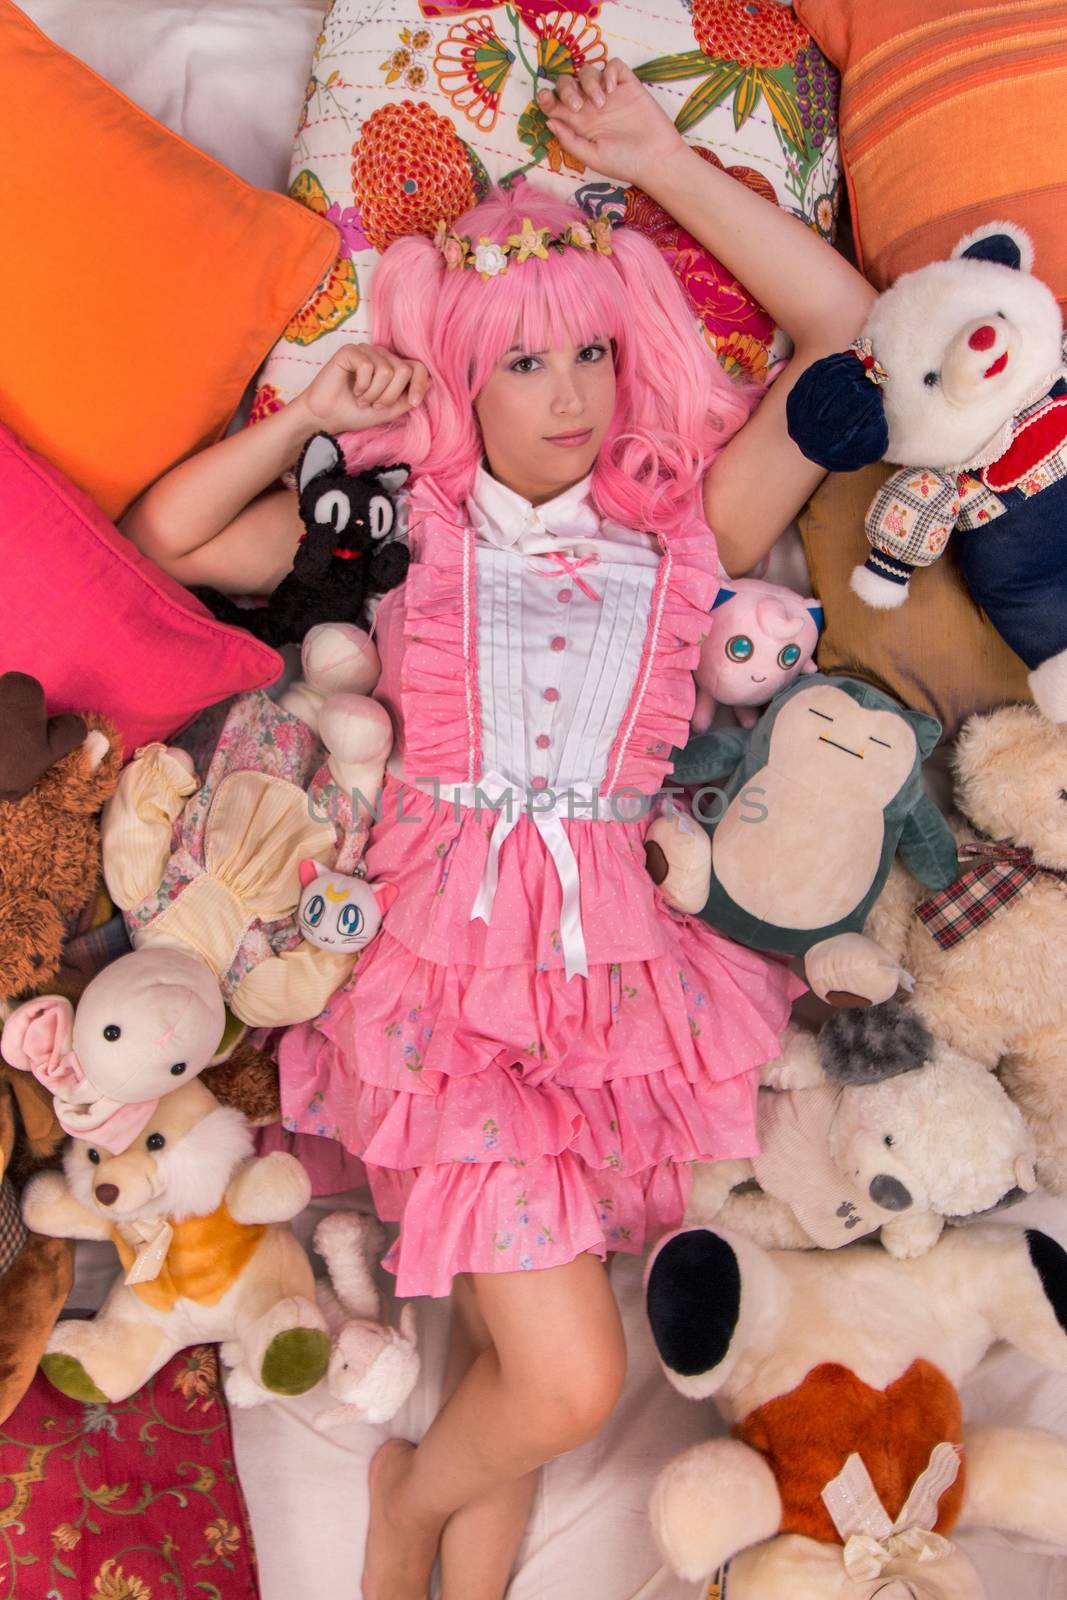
{"x": 106, "y": 1193}
{"x": 982, "y": 337}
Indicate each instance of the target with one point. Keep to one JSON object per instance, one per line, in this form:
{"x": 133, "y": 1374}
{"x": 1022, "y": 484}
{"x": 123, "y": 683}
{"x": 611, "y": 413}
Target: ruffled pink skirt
{"x": 510, "y": 1119}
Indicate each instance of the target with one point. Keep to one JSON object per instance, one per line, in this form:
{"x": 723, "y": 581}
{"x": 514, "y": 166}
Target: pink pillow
{"x": 97, "y": 622}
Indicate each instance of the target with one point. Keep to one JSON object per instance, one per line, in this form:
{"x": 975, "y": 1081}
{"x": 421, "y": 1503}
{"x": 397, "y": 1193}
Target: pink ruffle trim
{"x": 658, "y": 716}
{"x": 438, "y": 676}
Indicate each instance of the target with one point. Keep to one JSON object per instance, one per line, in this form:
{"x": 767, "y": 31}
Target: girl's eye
{"x": 740, "y": 647}
{"x": 523, "y": 364}
{"x": 591, "y": 353}
{"x": 789, "y": 655}
{"x": 313, "y": 910}
{"x": 349, "y": 921}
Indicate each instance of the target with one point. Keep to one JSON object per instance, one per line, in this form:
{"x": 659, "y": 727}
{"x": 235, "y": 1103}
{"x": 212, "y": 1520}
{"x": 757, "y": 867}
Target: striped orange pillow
{"x": 951, "y": 115}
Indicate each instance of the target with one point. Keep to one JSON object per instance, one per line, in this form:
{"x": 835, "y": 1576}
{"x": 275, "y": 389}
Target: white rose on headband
{"x": 489, "y": 259}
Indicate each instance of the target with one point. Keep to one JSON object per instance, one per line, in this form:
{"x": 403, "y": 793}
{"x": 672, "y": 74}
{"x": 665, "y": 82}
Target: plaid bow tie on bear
{"x": 1001, "y": 872}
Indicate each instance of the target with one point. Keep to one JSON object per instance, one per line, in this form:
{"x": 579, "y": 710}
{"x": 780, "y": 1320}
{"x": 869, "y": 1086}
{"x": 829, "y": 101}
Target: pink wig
{"x": 675, "y": 407}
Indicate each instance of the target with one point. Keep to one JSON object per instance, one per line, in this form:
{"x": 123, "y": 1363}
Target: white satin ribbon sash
{"x": 511, "y": 802}
{"x": 871, "y": 1540}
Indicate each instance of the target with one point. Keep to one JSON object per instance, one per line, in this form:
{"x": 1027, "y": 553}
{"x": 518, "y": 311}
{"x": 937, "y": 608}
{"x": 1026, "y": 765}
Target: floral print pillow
{"x": 414, "y": 107}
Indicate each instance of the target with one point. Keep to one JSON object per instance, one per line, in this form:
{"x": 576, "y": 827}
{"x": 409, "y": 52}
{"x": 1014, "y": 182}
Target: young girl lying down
{"x": 534, "y": 1049}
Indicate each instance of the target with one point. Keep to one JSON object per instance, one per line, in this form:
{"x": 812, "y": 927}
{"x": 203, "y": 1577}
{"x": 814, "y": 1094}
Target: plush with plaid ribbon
{"x": 1001, "y": 872}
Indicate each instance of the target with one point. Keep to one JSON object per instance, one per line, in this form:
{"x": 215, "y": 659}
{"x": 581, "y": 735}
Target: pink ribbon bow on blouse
{"x": 569, "y": 568}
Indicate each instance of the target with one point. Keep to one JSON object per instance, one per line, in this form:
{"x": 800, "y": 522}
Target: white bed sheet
{"x": 229, "y": 76}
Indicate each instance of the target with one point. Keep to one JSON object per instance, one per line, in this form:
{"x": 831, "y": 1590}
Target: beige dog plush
{"x": 987, "y": 955}
{"x": 200, "y": 1227}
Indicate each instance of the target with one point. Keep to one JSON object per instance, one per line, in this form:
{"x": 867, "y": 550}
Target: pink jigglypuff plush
{"x": 761, "y": 638}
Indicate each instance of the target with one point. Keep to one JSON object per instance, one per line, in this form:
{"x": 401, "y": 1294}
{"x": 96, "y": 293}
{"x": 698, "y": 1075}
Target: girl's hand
{"x": 362, "y": 386}
{"x": 607, "y": 119}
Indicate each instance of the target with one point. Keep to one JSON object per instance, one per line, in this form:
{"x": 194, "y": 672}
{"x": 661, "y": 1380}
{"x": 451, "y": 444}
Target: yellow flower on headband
{"x": 600, "y": 228}
{"x": 579, "y": 236}
{"x": 530, "y": 242}
{"x": 452, "y": 247}
{"x": 489, "y": 259}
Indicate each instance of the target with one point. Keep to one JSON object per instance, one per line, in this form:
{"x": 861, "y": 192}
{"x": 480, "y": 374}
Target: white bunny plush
{"x": 373, "y": 1368}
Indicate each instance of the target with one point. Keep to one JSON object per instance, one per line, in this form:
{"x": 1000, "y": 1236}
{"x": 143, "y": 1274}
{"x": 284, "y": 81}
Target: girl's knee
{"x": 570, "y": 1402}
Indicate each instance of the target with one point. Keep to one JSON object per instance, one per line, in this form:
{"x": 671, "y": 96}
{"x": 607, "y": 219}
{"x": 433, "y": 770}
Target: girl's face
{"x": 543, "y": 415}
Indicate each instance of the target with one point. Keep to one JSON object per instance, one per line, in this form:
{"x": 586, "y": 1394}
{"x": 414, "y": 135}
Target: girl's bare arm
{"x": 607, "y": 119}
{"x": 209, "y": 521}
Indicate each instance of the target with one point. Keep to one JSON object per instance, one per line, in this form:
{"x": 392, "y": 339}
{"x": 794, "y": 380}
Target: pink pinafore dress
{"x": 535, "y": 1047}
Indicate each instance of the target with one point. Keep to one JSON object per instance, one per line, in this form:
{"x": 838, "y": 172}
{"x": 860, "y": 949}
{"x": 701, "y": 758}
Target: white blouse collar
{"x": 505, "y": 519}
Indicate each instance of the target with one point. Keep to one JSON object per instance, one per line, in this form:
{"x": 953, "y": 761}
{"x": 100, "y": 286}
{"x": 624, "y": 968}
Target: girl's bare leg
{"x": 480, "y": 1540}
{"x": 547, "y": 1383}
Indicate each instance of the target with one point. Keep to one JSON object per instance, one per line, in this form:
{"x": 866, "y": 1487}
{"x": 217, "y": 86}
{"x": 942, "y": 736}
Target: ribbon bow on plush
{"x": 872, "y": 1542}
{"x": 1001, "y": 870}
{"x": 38, "y": 1038}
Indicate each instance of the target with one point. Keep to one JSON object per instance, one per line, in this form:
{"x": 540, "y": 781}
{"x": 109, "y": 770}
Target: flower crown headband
{"x": 490, "y": 259}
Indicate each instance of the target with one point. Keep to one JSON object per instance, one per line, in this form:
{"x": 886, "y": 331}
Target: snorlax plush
{"x": 809, "y": 809}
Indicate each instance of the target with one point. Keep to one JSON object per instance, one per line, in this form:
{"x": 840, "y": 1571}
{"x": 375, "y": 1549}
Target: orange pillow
{"x": 951, "y": 115}
{"x": 141, "y": 284}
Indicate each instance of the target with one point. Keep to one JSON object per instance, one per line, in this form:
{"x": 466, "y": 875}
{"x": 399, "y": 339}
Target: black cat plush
{"x": 346, "y": 555}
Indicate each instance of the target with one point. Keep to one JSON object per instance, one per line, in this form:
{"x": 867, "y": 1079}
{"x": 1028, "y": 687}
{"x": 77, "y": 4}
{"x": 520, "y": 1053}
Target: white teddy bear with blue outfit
{"x": 959, "y": 376}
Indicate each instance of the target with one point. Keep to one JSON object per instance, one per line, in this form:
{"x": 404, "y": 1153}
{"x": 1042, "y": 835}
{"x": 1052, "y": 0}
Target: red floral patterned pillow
{"x": 134, "y": 1501}
{"x": 414, "y": 106}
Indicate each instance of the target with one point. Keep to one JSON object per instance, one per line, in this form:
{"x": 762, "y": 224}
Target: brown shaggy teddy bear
{"x": 55, "y": 774}
{"x": 35, "y": 1272}
{"x": 988, "y": 953}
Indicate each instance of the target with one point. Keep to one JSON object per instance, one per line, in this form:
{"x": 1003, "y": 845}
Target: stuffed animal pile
{"x": 832, "y": 1292}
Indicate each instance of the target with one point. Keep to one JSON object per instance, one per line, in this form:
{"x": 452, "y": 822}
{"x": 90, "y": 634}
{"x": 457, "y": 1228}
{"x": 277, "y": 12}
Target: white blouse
{"x": 563, "y": 600}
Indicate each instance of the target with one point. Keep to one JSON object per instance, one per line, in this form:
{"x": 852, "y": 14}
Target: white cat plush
{"x": 338, "y": 912}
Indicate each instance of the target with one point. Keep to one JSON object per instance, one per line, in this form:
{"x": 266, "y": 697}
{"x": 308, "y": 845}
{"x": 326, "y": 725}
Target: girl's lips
{"x": 570, "y": 440}
{"x": 998, "y": 366}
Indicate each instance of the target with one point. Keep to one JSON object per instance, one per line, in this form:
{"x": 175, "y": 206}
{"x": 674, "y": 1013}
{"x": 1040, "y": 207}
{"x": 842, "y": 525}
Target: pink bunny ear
{"x": 37, "y": 1038}
{"x": 309, "y": 871}
{"x": 384, "y": 895}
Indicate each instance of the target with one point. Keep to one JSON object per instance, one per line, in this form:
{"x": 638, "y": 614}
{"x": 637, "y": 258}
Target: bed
{"x": 230, "y": 76}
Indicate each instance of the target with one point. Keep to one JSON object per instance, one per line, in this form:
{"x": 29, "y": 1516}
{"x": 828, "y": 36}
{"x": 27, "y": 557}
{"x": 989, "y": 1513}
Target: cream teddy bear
{"x": 987, "y": 955}
{"x": 883, "y": 1129}
{"x": 200, "y": 1226}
